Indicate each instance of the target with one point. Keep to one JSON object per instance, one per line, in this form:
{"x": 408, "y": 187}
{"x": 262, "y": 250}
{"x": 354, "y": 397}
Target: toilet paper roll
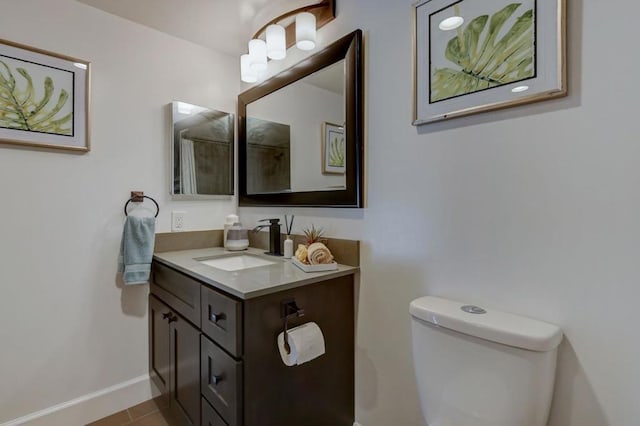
{"x": 306, "y": 342}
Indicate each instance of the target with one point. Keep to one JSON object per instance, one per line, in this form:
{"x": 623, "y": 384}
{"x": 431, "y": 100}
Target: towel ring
{"x": 144, "y": 196}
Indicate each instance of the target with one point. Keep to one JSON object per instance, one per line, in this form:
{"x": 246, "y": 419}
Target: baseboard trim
{"x": 93, "y": 406}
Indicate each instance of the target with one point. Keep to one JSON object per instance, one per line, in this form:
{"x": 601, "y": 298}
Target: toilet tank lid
{"x": 496, "y": 326}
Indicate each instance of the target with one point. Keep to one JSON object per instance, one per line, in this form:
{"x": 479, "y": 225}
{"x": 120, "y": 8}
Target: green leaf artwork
{"x": 21, "y": 110}
{"x": 336, "y": 152}
{"x": 482, "y": 60}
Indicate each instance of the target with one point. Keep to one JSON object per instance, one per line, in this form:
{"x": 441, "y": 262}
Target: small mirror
{"x": 201, "y": 151}
{"x": 300, "y": 133}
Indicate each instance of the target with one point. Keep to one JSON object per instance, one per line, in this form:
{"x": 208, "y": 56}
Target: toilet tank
{"x": 477, "y": 367}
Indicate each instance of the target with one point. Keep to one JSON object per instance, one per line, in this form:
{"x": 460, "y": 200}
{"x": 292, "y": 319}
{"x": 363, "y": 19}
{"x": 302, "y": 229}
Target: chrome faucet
{"x": 274, "y": 235}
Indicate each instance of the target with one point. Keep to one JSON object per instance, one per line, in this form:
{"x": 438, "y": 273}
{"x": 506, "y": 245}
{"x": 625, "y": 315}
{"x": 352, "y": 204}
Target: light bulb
{"x": 258, "y": 55}
{"x": 246, "y": 73}
{"x": 276, "y": 42}
{"x": 305, "y": 31}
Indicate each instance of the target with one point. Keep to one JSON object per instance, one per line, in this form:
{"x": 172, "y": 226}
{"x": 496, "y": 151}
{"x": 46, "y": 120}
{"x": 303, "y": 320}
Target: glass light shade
{"x": 305, "y": 31}
{"x": 257, "y": 55}
{"x": 276, "y": 42}
{"x": 246, "y": 73}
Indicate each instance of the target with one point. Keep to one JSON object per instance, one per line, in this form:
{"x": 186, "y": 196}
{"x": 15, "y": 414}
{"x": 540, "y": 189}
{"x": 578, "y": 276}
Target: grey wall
{"x": 68, "y": 327}
{"x": 534, "y": 210}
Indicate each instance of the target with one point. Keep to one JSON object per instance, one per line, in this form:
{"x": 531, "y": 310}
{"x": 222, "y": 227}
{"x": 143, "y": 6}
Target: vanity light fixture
{"x": 276, "y": 42}
{"x": 246, "y": 73}
{"x": 257, "y": 55}
{"x": 281, "y": 33}
{"x": 451, "y": 23}
{"x": 306, "y": 31}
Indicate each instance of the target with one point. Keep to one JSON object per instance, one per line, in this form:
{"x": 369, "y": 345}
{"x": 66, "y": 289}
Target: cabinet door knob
{"x": 166, "y": 315}
{"x": 217, "y": 317}
{"x": 216, "y": 379}
{"x": 173, "y": 318}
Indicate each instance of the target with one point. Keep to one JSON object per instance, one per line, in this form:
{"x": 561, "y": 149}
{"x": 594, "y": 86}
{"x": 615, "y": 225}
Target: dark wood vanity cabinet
{"x": 173, "y": 362}
{"x": 159, "y": 344}
{"x": 215, "y": 356}
{"x": 209, "y": 415}
{"x": 221, "y": 381}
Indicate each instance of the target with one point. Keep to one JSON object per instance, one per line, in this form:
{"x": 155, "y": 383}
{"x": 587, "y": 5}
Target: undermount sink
{"x": 236, "y": 263}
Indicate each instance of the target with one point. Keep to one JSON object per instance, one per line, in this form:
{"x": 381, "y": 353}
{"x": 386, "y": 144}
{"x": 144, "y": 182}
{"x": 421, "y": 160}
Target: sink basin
{"x": 236, "y": 263}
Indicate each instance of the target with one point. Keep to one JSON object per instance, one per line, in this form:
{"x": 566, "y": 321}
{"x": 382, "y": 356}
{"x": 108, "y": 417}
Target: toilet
{"x": 482, "y": 367}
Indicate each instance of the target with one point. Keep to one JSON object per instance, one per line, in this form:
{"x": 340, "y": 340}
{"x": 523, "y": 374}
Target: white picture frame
{"x": 334, "y": 149}
{"x": 44, "y": 98}
{"x": 500, "y": 54}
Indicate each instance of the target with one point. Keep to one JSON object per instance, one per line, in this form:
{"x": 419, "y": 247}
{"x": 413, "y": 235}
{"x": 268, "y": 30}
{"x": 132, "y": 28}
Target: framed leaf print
{"x": 333, "y": 149}
{"x": 480, "y": 55}
{"x": 44, "y": 98}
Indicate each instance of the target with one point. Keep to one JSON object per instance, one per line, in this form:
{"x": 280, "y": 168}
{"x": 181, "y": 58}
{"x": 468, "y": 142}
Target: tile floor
{"x": 149, "y": 413}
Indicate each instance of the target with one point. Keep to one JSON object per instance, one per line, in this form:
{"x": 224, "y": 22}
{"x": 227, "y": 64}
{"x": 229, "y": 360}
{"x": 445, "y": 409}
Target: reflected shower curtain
{"x": 187, "y": 167}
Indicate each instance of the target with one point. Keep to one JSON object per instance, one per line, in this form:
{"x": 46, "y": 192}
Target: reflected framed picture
{"x": 333, "y": 149}
{"x": 479, "y": 55}
{"x": 44, "y": 98}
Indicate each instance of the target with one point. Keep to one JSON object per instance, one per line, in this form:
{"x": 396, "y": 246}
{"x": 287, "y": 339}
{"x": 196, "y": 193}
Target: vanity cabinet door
{"x": 185, "y": 371}
{"x": 222, "y": 382}
{"x": 159, "y": 344}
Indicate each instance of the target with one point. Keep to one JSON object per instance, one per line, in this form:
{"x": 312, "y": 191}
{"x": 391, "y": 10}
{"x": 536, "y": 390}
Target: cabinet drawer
{"x": 221, "y": 381}
{"x": 178, "y": 291}
{"x": 222, "y": 320}
{"x": 209, "y": 415}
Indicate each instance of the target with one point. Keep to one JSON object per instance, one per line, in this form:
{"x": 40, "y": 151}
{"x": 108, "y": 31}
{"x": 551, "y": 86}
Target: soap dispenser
{"x": 228, "y": 223}
{"x": 237, "y": 238}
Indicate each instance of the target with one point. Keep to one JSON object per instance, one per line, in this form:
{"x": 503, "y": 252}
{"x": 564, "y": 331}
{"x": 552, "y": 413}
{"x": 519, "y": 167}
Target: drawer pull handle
{"x": 216, "y": 379}
{"x": 217, "y": 317}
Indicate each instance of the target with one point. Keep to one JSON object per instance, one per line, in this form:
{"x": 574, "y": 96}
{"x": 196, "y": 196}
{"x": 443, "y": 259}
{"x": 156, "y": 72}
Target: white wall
{"x": 534, "y": 210}
{"x": 68, "y": 329}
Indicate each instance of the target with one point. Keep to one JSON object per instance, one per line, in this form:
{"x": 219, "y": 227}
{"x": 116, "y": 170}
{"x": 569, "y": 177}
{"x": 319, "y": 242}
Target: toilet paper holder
{"x": 288, "y": 310}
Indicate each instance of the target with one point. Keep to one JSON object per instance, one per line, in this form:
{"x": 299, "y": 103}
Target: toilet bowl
{"x": 482, "y": 367}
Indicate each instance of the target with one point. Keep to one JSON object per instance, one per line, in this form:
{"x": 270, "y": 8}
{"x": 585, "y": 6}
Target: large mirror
{"x": 201, "y": 151}
{"x": 300, "y": 132}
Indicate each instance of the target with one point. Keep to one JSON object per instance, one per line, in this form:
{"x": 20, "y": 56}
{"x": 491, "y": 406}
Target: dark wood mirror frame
{"x": 348, "y": 48}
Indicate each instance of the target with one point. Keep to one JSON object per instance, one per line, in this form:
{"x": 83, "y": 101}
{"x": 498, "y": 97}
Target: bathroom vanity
{"x": 212, "y": 340}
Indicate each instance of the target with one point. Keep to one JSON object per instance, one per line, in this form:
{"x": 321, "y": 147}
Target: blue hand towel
{"x": 136, "y": 250}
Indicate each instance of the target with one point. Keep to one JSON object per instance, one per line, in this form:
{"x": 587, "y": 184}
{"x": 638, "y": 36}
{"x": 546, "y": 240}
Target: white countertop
{"x": 246, "y": 283}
